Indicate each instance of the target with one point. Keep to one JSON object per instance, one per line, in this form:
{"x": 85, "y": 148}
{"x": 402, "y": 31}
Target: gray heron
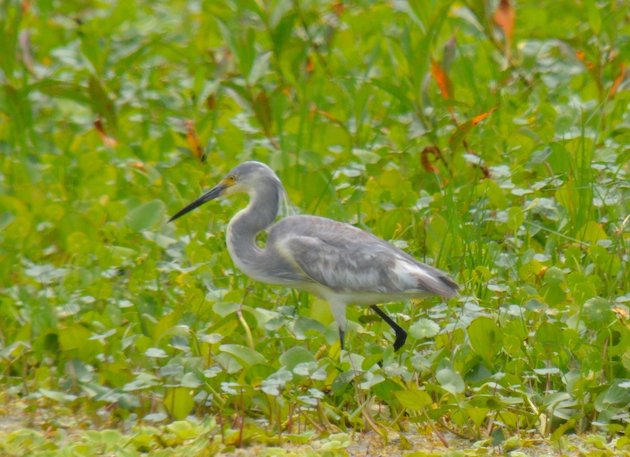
{"x": 335, "y": 261}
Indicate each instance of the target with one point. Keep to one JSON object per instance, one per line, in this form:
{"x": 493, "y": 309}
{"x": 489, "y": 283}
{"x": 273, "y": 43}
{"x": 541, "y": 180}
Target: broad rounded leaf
{"x": 295, "y": 356}
{"x": 450, "y": 380}
{"x": 184, "y": 430}
{"x": 245, "y": 355}
{"x": 156, "y": 353}
{"x": 415, "y": 400}
{"x": 424, "y": 328}
{"x": 190, "y": 380}
{"x": 56, "y": 395}
{"x": 144, "y": 216}
{"x": 485, "y": 338}
{"x": 179, "y": 402}
{"x": 598, "y": 312}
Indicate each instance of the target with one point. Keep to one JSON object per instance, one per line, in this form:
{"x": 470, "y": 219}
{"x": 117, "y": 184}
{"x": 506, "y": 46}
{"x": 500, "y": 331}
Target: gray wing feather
{"x": 347, "y": 259}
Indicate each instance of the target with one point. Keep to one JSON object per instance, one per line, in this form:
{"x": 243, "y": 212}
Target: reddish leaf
{"x": 485, "y": 170}
{"x": 480, "y": 117}
{"x": 504, "y": 18}
{"x": 580, "y": 55}
{"x": 211, "y": 101}
{"x": 310, "y": 65}
{"x": 193, "y": 140}
{"x": 262, "y": 108}
{"x": 100, "y": 129}
{"x": 441, "y": 78}
{"x": 338, "y": 7}
{"x": 459, "y": 135}
{"x": 618, "y": 80}
{"x": 326, "y": 114}
{"x": 426, "y": 161}
{"x": 138, "y": 165}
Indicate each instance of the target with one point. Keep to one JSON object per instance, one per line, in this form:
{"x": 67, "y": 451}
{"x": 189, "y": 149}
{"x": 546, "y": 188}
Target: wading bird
{"x": 332, "y": 260}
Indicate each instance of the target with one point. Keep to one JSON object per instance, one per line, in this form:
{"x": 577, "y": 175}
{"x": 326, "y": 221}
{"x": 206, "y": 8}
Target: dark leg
{"x": 401, "y": 335}
{"x": 341, "y": 336}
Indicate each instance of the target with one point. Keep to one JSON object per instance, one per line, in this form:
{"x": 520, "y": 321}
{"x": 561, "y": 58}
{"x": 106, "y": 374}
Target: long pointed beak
{"x": 213, "y": 193}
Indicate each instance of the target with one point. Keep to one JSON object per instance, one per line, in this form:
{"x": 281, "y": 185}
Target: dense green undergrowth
{"x": 486, "y": 138}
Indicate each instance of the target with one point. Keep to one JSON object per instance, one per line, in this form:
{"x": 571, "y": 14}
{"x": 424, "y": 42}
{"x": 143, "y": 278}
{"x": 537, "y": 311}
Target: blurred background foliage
{"x": 489, "y": 138}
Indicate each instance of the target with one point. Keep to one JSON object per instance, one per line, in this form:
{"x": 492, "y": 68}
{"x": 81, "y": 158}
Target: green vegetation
{"x": 487, "y": 138}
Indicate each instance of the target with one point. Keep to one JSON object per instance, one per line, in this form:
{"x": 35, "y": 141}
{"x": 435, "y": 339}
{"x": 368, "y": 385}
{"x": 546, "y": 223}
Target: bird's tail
{"x": 451, "y": 286}
{"x": 437, "y": 282}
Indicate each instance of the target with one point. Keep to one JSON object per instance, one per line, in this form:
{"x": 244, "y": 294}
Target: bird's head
{"x": 245, "y": 178}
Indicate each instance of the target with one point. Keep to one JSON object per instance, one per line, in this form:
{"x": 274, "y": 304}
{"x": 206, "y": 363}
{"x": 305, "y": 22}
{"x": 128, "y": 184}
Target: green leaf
{"x": 259, "y": 67}
{"x": 57, "y": 396}
{"x": 295, "y": 356}
{"x": 485, "y": 338}
{"x": 191, "y": 381}
{"x": 104, "y": 439}
{"x": 549, "y": 335}
{"x": 371, "y": 379}
{"x": 245, "y": 355}
{"x": 156, "y": 353}
{"x": 305, "y": 327}
{"x": 424, "y": 328}
{"x": 276, "y": 382}
{"x": 597, "y": 312}
{"x": 450, "y": 380}
{"x": 594, "y": 16}
{"x": 142, "y": 381}
{"x": 336, "y": 442}
{"x": 179, "y": 402}
{"x": 76, "y": 340}
{"x": 415, "y": 400}
{"x": 366, "y": 156}
{"x": 62, "y": 89}
{"x": 615, "y": 396}
{"x": 592, "y": 232}
{"x": 224, "y": 308}
{"x": 146, "y": 215}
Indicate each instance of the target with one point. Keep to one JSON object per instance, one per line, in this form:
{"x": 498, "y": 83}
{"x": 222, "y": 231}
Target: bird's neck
{"x": 259, "y": 214}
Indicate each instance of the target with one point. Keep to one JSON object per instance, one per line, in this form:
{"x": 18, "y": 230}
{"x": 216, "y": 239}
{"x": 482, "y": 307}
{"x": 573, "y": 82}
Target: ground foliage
{"x": 486, "y": 137}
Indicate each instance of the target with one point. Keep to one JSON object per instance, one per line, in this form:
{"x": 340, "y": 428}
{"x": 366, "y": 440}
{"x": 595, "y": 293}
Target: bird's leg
{"x": 339, "y": 311}
{"x": 401, "y": 335}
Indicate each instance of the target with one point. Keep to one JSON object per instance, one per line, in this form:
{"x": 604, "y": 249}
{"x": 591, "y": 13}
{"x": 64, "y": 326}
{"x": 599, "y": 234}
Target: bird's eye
{"x": 231, "y": 179}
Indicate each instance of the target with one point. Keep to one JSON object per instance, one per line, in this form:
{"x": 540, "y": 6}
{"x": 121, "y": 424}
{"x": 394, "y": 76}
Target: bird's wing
{"x": 347, "y": 259}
